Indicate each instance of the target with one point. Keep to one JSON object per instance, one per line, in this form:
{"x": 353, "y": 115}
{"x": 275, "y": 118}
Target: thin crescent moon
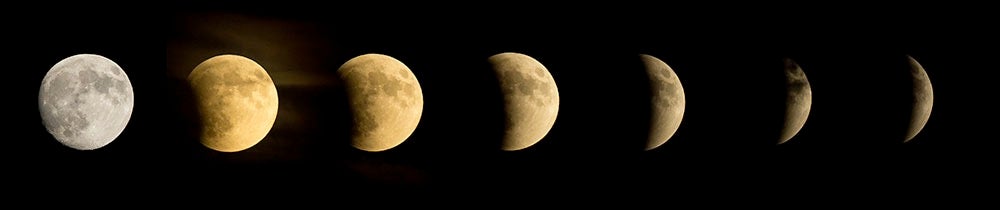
{"x": 923, "y": 99}
{"x": 798, "y": 102}
{"x": 667, "y": 101}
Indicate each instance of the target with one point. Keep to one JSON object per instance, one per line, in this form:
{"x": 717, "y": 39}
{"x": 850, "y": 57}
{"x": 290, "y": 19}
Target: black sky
{"x": 728, "y": 58}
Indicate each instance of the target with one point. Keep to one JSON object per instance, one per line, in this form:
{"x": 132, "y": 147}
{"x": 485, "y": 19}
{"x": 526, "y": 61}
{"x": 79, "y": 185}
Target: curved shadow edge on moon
{"x": 85, "y": 101}
{"x": 923, "y": 99}
{"x": 385, "y": 100}
{"x": 237, "y": 102}
{"x": 798, "y": 102}
{"x": 668, "y": 101}
{"x": 531, "y": 99}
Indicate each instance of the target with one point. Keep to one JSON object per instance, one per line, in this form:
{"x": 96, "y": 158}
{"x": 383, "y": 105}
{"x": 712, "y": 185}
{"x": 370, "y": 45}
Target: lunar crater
{"x": 385, "y": 100}
{"x": 798, "y": 101}
{"x": 85, "y": 101}
{"x": 530, "y": 97}
{"x": 667, "y": 101}
{"x": 237, "y": 101}
{"x": 923, "y": 99}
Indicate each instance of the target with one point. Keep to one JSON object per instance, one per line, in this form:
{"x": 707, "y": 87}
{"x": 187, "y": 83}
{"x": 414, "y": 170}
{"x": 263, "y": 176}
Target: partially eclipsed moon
{"x": 531, "y": 99}
{"x": 237, "y": 102}
{"x": 923, "y": 99}
{"x": 667, "y": 101}
{"x": 386, "y": 101}
{"x": 85, "y": 101}
{"x": 798, "y": 102}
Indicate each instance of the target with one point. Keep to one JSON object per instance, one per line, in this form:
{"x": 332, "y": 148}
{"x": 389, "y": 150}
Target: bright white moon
{"x": 85, "y": 101}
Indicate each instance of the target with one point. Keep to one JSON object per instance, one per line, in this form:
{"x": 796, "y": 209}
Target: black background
{"x": 728, "y": 58}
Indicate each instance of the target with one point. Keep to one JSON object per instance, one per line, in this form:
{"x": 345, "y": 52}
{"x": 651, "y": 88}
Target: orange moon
{"x": 236, "y": 100}
{"x": 385, "y": 99}
{"x": 531, "y": 99}
{"x": 667, "y": 101}
{"x": 923, "y": 99}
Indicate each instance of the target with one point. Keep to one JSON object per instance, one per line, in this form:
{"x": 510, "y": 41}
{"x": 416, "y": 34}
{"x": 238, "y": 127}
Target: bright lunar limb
{"x": 85, "y": 101}
{"x": 798, "y": 101}
{"x": 385, "y": 100}
{"x": 667, "y": 101}
{"x": 923, "y": 99}
{"x": 237, "y": 102}
{"x": 531, "y": 100}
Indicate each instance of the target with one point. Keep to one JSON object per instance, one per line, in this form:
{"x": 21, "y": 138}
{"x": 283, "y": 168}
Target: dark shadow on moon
{"x": 626, "y": 108}
{"x": 889, "y": 100}
{"x": 191, "y": 120}
{"x": 642, "y": 86}
{"x": 333, "y": 112}
{"x": 460, "y": 134}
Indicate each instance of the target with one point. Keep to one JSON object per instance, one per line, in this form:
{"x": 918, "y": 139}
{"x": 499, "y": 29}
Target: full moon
{"x": 923, "y": 99}
{"x": 236, "y": 100}
{"x": 667, "y": 101}
{"x": 386, "y": 101}
{"x": 531, "y": 99}
{"x": 798, "y": 102}
{"x": 86, "y": 101}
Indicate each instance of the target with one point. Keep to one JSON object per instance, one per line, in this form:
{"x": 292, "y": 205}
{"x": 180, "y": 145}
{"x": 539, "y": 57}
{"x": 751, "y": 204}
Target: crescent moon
{"x": 531, "y": 99}
{"x": 923, "y": 99}
{"x": 667, "y": 101}
{"x": 386, "y": 101}
{"x": 799, "y": 100}
{"x": 237, "y": 102}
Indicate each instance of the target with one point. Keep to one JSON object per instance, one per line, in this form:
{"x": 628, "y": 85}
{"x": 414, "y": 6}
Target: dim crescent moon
{"x": 798, "y": 101}
{"x": 667, "y": 101}
{"x": 923, "y": 99}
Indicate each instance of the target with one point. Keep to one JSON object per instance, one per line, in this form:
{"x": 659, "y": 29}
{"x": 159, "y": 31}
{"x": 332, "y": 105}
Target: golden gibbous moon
{"x": 236, "y": 100}
{"x": 531, "y": 100}
{"x": 667, "y": 101}
{"x": 385, "y": 99}
{"x": 923, "y": 99}
{"x": 798, "y": 101}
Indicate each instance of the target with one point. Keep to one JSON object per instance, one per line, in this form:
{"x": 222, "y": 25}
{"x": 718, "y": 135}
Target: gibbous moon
{"x": 667, "y": 101}
{"x": 798, "y": 102}
{"x": 923, "y": 99}
{"x": 85, "y": 101}
{"x": 531, "y": 99}
{"x": 386, "y": 101}
{"x": 237, "y": 102}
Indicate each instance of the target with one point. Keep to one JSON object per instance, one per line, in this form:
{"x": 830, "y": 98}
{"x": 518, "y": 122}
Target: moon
{"x": 923, "y": 99}
{"x": 385, "y": 99}
{"x": 667, "y": 101}
{"x": 797, "y": 103}
{"x": 531, "y": 99}
{"x": 236, "y": 100}
{"x": 85, "y": 101}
